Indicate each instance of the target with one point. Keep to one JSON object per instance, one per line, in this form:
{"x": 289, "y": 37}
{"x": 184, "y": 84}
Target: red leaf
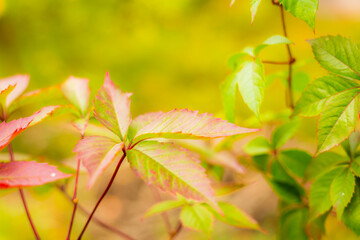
{"x": 26, "y": 174}
{"x": 182, "y": 124}
{"x": 112, "y": 108}
{"x": 77, "y": 91}
{"x": 9, "y": 130}
{"x": 96, "y": 154}
{"x": 19, "y": 81}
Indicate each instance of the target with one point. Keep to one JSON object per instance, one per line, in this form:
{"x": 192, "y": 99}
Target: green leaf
{"x": 316, "y": 226}
{"x": 322, "y": 163}
{"x": 342, "y": 189}
{"x": 261, "y": 161}
{"x": 296, "y": 161}
{"x": 222, "y": 189}
{"x": 299, "y": 81}
{"x": 164, "y": 206}
{"x": 338, "y": 119}
{"x": 319, "y": 199}
{"x": 234, "y": 216}
{"x": 351, "y": 144}
{"x": 351, "y": 215}
{"x": 228, "y": 93}
{"x": 273, "y": 40}
{"x": 355, "y": 166}
{"x": 284, "y": 133}
{"x": 338, "y": 55}
{"x": 197, "y": 217}
{"x": 292, "y": 224}
{"x": 285, "y": 192}
{"x": 171, "y": 168}
{"x": 257, "y": 146}
{"x": 254, "y": 5}
{"x": 312, "y": 102}
{"x": 251, "y": 82}
{"x": 303, "y": 9}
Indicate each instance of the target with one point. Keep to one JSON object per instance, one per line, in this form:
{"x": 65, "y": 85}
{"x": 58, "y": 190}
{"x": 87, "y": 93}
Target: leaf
{"x": 197, "y": 217}
{"x": 292, "y": 224}
{"x": 254, "y": 5}
{"x": 296, "y": 161}
{"x": 285, "y": 191}
{"x": 351, "y": 215}
{"x": 322, "y": 163}
{"x": 351, "y": 144}
{"x": 20, "y": 83}
{"x": 228, "y": 93}
{"x": 312, "y": 101}
{"x": 9, "y": 130}
{"x": 181, "y": 124}
{"x": 261, "y": 161}
{"x": 355, "y": 166}
{"x": 27, "y": 174}
{"x": 222, "y": 189}
{"x": 341, "y": 191}
{"x": 316, "y": 227}
{"x": 257, "y": 146}
{"x": 235, "y": 216}
{"x": 3, "y": 96}
{"x": 319, "y": 199}
{"x": 164, "y": 206}
{"x": 77, "y": 91}
{"x": 172, "y": 169}
{"x": 338, "y": 120}
{"x": 273, "y": 40}
{"x": 97, "y": 153}
{"x": 112, "y": 108}
{"x": 303, "y": 9}
{"x": 299, "y": 81}
{"x": 251, "y": 82}
{"x": 284, "y": 133}
{"x": 338, "y": 55}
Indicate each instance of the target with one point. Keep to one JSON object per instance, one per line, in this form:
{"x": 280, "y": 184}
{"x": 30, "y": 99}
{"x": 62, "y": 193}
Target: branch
{"x": 95, "y": 219}
{"x": 279, "y": 63}
{"x": 176, "y": 232}
{"x": 103, "y": 195}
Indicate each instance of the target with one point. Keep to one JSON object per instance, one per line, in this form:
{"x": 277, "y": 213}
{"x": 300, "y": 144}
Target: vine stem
{"x": 11, "y": 153}
{"x": 278, "y": 63}
{"x": 290, "y": 96}
{"x": 103, "y": 194}
{"x": 95, "y": 219}
{"x": 74, "y": 198}
{"x": 176, "y": 232}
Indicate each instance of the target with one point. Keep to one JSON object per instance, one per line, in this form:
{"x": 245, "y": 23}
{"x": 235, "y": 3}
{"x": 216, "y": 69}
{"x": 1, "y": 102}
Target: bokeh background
{"x": 170, "y": 54}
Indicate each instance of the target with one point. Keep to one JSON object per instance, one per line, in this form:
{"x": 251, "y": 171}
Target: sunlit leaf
{"x": 284, "y": 133}
{"x": 172, "y": 169}
{"x": 164, "y": 206}
{"x": 9, "y": 130}
{"x": 312, "y": 102}
{"x": 338, "y": 119}
{"x": 351, "y": 215}
{"x": 235, "y": 216}
{"x": 182, "y": 124}
{"x": 97, "y": 153}
{"x": 26, "y": 174}
{"x": 254, "y": 5}
{"x": 222, "y": 189}
{"x": 342, "y": 189}
{"x": 198, "y": 218}
{"x": 20, "y": 82}
{"x": 296, "y": 161}
{"x": 292, "y": 224}
{"x": 338, "y": 55}
{"x": 257, "y": 146}
{"x": 273, "y": 40}
{"x": 112, "y": 108}
{"x": 77, "y": 91}
{"x": 303, "y": 9}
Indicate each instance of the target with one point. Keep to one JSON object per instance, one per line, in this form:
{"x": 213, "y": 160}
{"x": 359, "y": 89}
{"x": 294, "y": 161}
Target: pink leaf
{"x": 182, "y": 124}
{"x": 171, "y": 168}
{"x": 19, "y": 81}
{"x": 9, "y": 130}
{"x": 112, "y": 108}
{"x": 96, "y": 154}
{"x": 77, "y": 91}
{"x": 26, "y": 174}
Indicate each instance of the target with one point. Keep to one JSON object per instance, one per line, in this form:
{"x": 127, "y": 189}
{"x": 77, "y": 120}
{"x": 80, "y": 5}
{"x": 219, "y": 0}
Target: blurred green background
{"x": 170, "y": 54}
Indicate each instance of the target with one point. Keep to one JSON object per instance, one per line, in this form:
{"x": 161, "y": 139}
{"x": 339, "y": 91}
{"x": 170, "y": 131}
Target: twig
{"x": 103, "y": 195}
{"x": 176, "y": 232}
{"x": 11, "y": 153}
{"x": 291, "y": 59}
{"x": 279, "y": 63}
{"x": 95, "y": 219}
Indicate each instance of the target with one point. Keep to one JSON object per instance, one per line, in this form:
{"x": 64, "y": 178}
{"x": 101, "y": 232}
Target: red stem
{"x": 23, "y": 197}
{"x": 103, "y": 195}
{"x": 74, "y": 198}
